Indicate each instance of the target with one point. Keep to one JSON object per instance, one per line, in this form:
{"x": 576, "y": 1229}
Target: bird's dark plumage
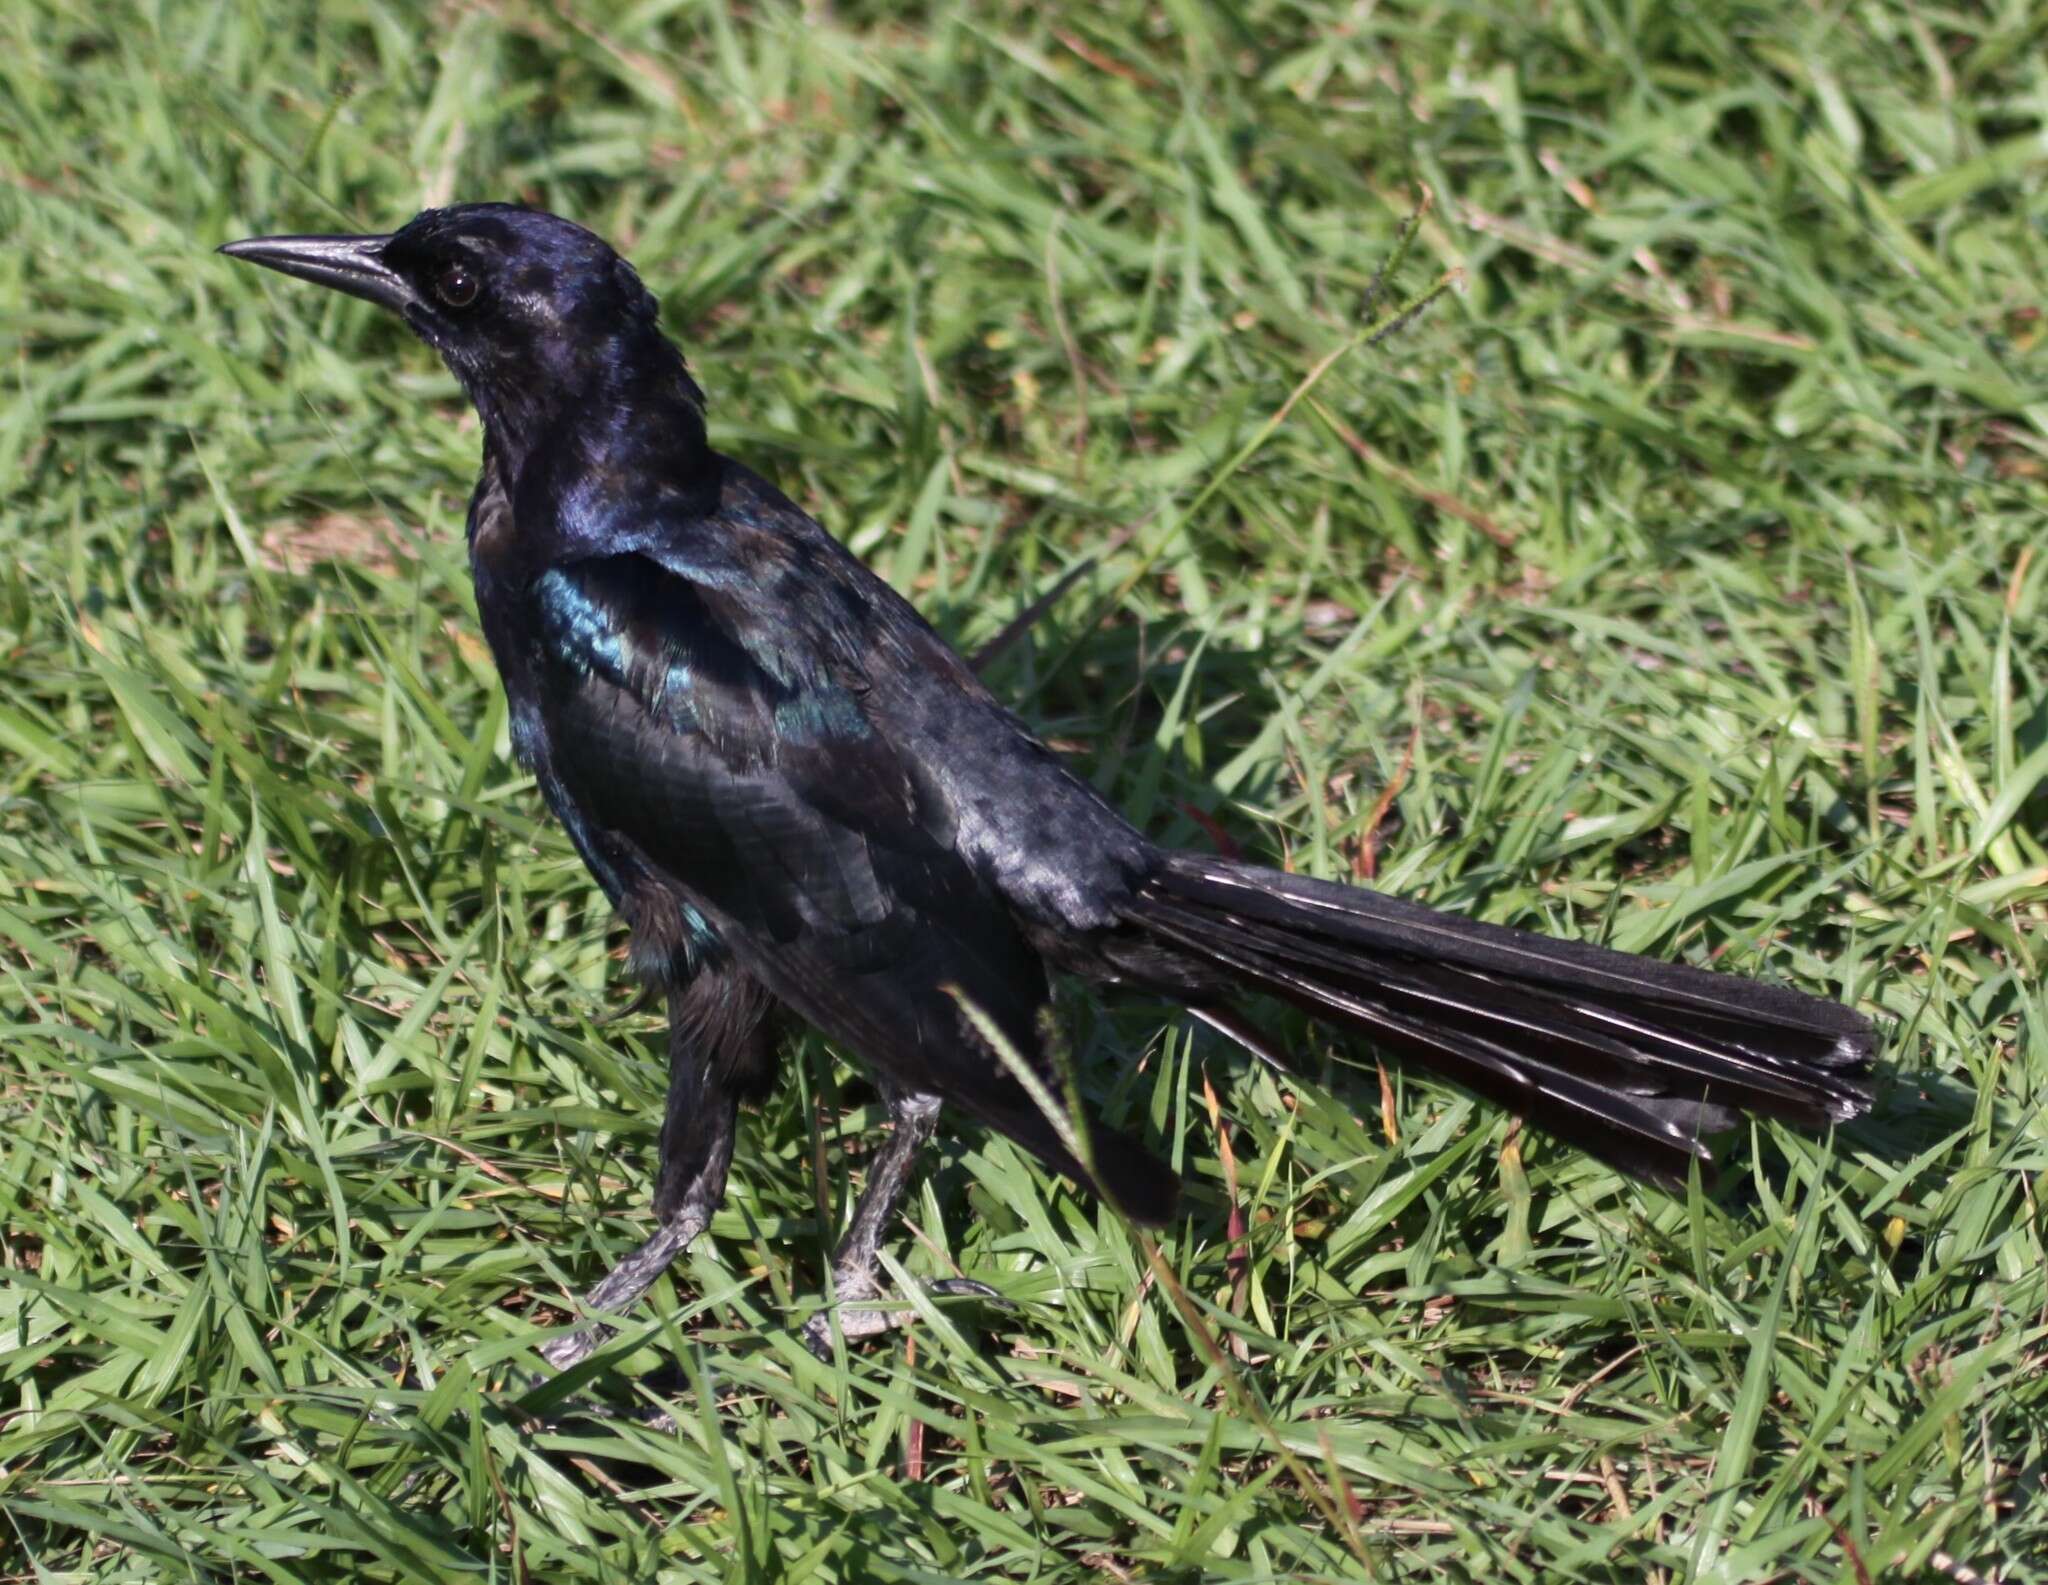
{"x": 798, "y": 795}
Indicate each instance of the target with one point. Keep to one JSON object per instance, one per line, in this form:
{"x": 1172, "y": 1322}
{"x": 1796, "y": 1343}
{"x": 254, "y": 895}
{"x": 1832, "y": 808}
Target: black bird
{"x": 799, "y": 797}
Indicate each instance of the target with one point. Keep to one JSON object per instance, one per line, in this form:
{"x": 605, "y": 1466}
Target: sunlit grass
{"x": 1678, "y": 571}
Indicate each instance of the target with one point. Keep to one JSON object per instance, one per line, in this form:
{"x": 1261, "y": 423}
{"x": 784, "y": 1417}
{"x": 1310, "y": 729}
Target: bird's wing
{"x": 804, "y": 607}
{"x": 740, "y": 764}
{"x": 741, "y": 759}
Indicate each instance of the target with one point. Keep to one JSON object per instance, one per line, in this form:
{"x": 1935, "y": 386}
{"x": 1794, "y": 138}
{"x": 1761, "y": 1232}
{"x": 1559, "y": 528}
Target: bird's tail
{"x": 1630, "y": 1058}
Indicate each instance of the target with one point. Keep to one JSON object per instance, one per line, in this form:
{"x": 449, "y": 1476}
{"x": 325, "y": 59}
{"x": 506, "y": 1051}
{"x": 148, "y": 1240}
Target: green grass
{"x": 1688, "y": 546}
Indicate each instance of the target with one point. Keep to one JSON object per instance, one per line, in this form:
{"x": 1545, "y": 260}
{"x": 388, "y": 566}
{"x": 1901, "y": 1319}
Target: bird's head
{"x": 531, "y": 312}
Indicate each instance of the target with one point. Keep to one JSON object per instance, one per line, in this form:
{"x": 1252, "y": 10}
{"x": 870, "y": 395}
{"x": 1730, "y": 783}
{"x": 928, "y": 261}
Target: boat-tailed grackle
{"x": 800, "y": 799}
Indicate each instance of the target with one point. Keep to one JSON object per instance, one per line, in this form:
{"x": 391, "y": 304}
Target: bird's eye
{"x": 456, "y": 287}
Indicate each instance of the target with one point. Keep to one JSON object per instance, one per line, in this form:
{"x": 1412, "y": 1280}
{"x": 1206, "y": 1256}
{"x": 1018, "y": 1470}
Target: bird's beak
{"x": 348, "y": 264}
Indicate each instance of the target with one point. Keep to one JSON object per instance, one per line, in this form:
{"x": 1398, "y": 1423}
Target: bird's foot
{"x": 857, "y": 1289}
{"x": 623, "y": 1286}
{"x": 574, "y": 1349}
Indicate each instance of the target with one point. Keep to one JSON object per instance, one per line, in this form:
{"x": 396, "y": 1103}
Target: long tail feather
{"x": 1628, "y": 1057}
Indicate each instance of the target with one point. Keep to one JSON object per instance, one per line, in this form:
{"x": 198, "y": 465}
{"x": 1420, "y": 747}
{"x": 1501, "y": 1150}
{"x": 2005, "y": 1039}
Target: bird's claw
{"x": 966, "y": 1288}
{"x": 855, "y": 1324}
{"x": 562, "y": 1352}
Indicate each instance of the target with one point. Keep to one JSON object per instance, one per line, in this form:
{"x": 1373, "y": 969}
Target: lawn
{"x": 1673, "y": 581}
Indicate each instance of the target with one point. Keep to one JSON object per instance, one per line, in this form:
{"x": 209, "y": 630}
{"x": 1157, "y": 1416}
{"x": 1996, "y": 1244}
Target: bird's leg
{"x": 853, "y": 1264}
{"x": 696, "y": 1151}
{"x": 623, "y": 1286}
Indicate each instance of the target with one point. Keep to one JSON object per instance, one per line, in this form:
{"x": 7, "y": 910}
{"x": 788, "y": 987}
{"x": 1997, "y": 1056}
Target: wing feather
{"x": 746, "y": 767}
